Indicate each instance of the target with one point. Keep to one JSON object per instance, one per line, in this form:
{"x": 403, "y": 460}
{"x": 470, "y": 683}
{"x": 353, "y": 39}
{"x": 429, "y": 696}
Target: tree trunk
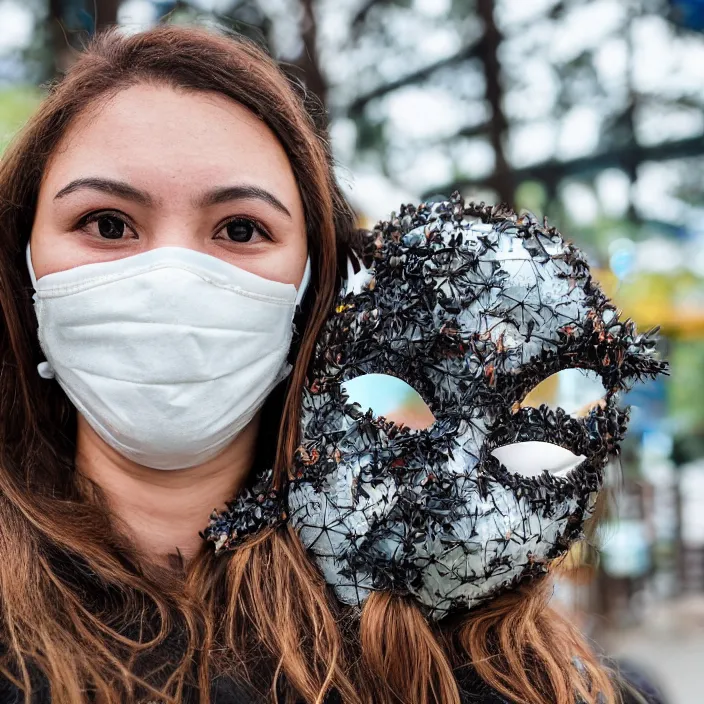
{"x": 502, "y": 180}
{"x": 308, "y": 62}
{"x": 65, "y": 40}
{"x": 60, "y": 48}
{"x": 106, "y": 14}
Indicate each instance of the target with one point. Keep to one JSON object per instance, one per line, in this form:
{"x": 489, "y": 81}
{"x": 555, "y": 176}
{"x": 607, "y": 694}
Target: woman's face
{"x": 154, "y": 166}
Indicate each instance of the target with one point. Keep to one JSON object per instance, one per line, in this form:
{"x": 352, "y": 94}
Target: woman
{"x": 162, "y": 205}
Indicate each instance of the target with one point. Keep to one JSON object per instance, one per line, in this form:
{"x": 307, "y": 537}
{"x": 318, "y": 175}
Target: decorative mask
{"x": 471, "y": 485}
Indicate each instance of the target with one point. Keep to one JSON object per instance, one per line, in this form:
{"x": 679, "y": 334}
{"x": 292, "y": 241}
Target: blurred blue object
{"x": 164, "y": 7}
{"x": 689, "y": 13}
{"x": 621, "y": 263}
{"x": 626, "y": 551}
{"x": 76, "y": 17}
{"x": 648, "y": 404}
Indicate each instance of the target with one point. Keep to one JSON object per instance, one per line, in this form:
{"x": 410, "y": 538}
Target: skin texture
{"x": 180, "y": 151}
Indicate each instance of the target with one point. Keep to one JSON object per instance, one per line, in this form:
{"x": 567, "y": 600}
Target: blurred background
{"x": 588, "y": 111}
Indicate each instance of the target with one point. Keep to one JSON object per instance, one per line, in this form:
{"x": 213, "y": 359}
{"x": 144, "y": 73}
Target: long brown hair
{"x": 82, "y": 614}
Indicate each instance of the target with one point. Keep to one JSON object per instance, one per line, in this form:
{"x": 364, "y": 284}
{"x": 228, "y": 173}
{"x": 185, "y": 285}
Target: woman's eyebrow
{"x": 242, "y": 192}
{"x": 105, "y": 185}
{"x": 214, "y": 197}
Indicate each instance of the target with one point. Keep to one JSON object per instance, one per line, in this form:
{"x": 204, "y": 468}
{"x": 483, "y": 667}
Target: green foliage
{"x": 370, "y": 134}
{"x": 686, "y": 387}
{"x": 532, "y": 196}
{"x": 16, "y": 105}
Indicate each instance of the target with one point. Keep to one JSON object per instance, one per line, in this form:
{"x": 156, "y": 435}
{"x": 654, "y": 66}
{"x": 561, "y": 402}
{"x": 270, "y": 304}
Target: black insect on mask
{"x": 473, "y": 307}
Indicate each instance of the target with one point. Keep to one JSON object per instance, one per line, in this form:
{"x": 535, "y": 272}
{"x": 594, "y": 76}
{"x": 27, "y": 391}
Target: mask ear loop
{"x": 28, "y": 256}
{"x": 303, "y": 287}
{"x": 46, "y": 371}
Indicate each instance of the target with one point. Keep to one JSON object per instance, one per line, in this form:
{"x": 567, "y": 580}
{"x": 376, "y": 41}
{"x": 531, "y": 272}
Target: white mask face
{"x": 167, "y": 354}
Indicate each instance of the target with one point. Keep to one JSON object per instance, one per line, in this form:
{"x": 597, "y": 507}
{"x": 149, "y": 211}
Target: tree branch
{"x": 409, "y": 79}
{"x": 472, "y": 130}
{"x": 554, "y": 170}
{"x": 361, "y": 15}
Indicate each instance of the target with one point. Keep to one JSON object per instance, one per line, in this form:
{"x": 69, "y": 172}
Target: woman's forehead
{"x": 175, "y": 141}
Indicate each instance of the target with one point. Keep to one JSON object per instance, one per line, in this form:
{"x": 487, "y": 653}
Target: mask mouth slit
{"x": 532, "y": 458}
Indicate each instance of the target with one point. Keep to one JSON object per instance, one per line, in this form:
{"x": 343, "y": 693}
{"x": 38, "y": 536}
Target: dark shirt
{"x": 229, "y": 691}
{"x": 226, "y": 690}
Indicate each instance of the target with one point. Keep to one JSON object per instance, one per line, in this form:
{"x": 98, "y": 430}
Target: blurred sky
{"x": 658, "y": 63}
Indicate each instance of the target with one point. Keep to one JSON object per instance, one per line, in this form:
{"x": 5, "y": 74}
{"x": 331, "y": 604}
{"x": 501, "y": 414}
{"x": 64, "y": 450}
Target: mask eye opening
{"x": 576, "y": 390}
{"x": 391, "y": 398}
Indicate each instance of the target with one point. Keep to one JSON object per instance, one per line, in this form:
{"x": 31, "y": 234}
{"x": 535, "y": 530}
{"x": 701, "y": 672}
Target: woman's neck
{"x": 163, "y": 511}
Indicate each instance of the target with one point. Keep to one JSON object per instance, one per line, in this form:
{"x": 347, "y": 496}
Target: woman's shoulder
{"x": 634, "y": 686}
{"x": 11, "y": 694}
{"x": 474, "y": 690}
{"x": 224, "y": 691}
{"x": 486, "y": 697}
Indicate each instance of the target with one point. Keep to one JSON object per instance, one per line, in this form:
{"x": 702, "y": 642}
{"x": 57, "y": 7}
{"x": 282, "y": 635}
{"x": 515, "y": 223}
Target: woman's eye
{"x": 240, "y": 230}
{"x": 110, "y": 227}
{"x": 105, "y": 225}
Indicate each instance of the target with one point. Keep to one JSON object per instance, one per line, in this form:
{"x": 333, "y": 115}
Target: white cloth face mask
{"x": 167, "y": 354}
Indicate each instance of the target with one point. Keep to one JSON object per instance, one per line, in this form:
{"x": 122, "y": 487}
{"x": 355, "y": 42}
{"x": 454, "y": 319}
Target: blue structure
{"x": 689, "y": 13}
